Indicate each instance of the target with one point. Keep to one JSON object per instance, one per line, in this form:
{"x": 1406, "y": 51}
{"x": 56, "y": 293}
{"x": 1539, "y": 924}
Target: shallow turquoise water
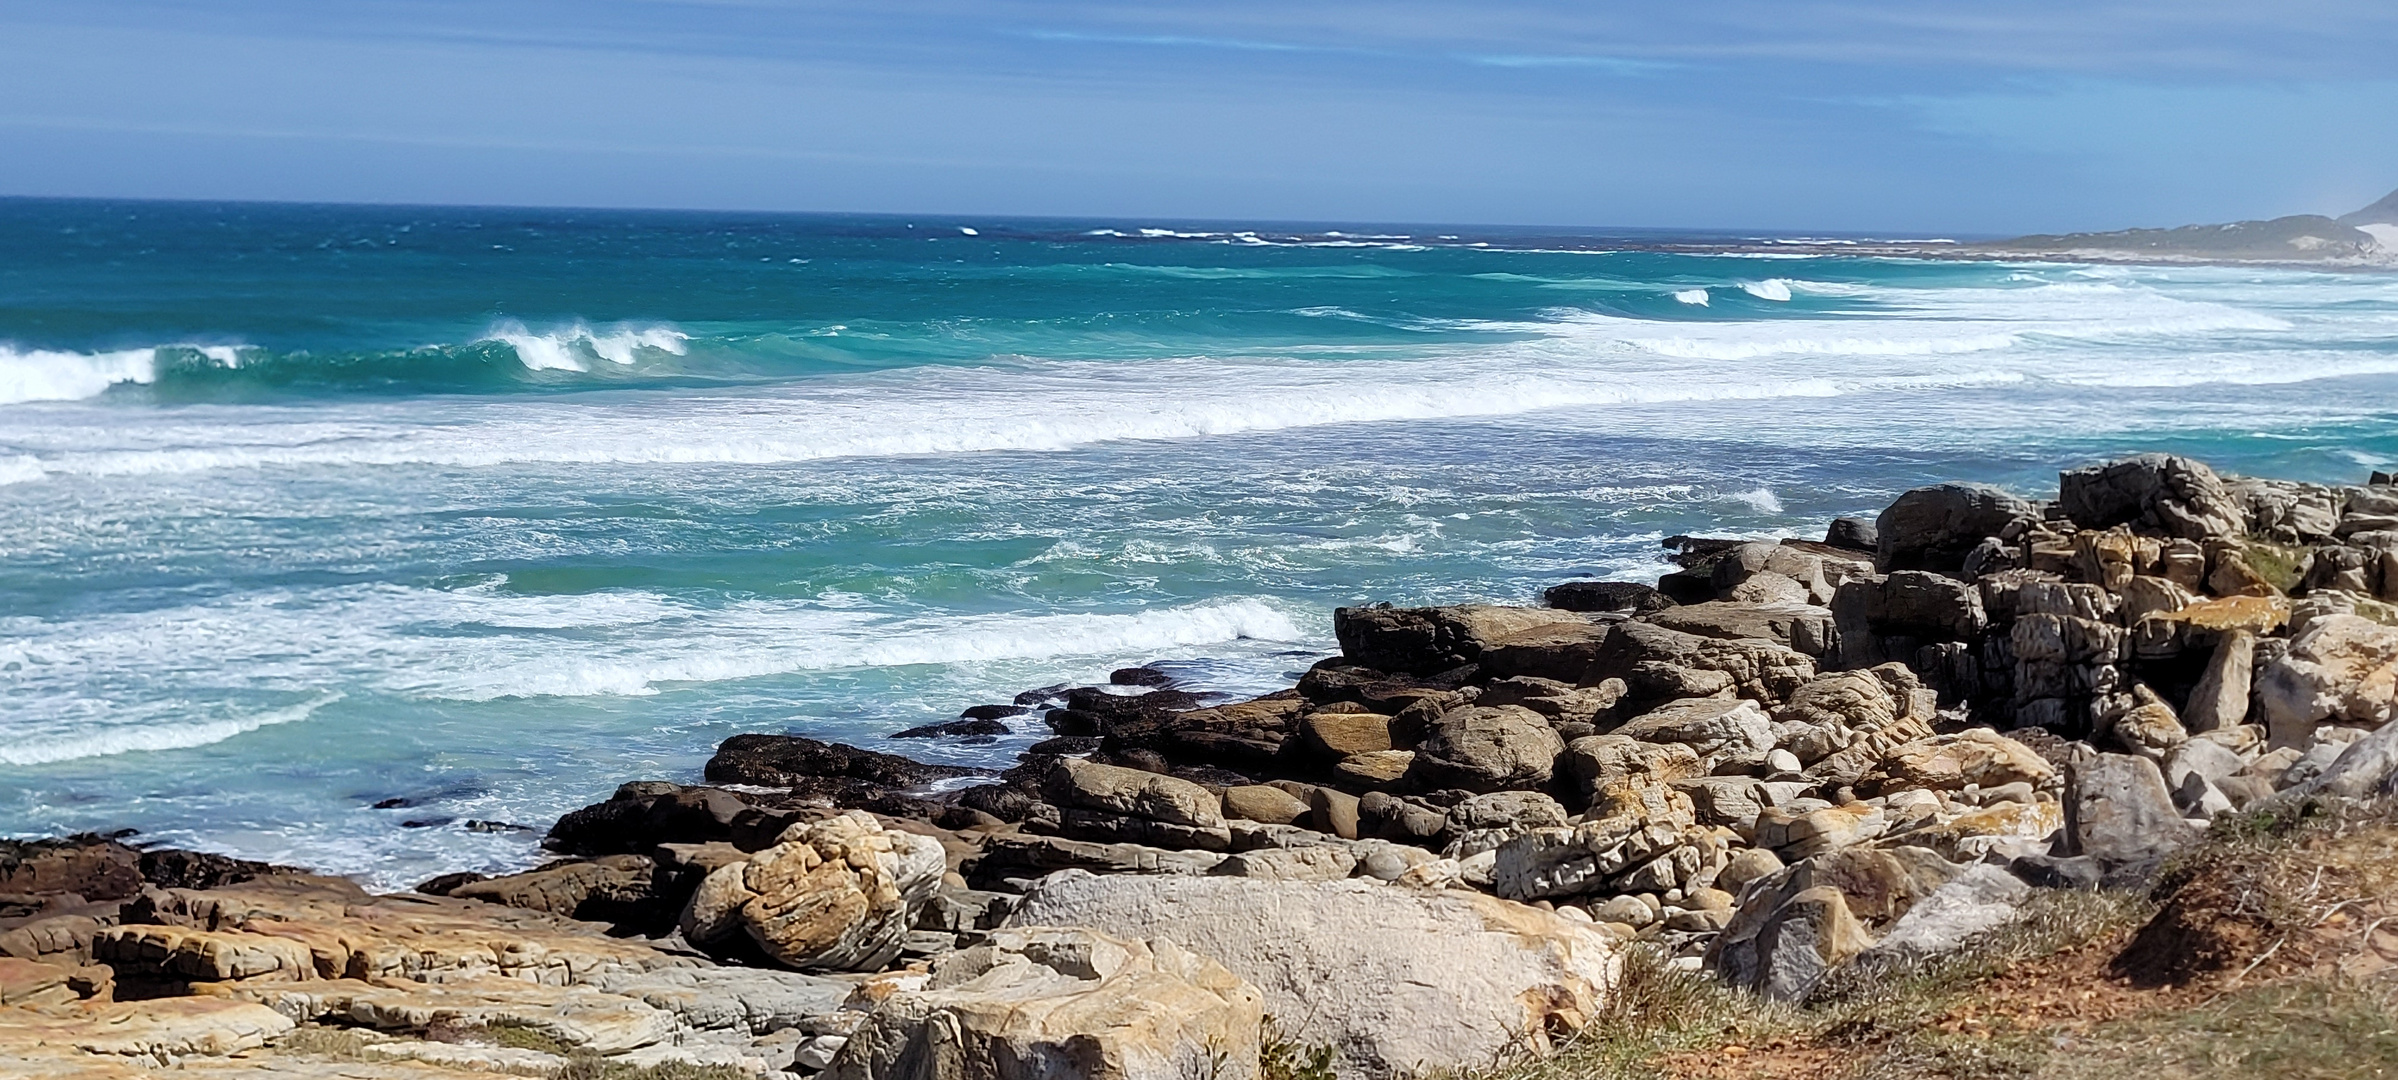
{"x": 312, "y": 507}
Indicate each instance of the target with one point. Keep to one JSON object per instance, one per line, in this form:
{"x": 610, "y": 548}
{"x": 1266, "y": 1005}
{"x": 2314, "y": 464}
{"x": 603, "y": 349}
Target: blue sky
{"x": 1996, "y": 116}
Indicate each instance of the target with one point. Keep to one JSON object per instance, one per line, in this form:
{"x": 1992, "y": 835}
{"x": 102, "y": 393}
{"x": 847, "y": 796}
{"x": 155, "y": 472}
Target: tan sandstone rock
{"x": 837, "y": 895}
{"x": 1396, "y": 980}
{"x": 1046, "y": 1003}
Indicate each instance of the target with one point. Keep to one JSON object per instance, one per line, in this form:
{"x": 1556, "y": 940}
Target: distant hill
{"x": 2384, "y": 212}
{"x": 2298, "y": 238}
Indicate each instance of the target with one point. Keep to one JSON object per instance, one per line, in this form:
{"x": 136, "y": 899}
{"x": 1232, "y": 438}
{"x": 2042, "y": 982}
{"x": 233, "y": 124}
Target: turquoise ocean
{"x": 477, "y": 513}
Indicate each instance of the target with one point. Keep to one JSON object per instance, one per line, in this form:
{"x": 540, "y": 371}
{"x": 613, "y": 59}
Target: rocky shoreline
{"x": 1782, "y": 761}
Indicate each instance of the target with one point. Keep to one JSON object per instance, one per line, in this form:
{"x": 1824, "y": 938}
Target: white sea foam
{"x": 1761, "y": 499}
{"x": 563, "y": 350}
{"x": 2110, "y": 332}
{"x": 1777, "y": 289}
{"x": 478, "y": 644}
{"x": 1692, "y": 296}
{"x": 160, "y": 733}
{"x": 54, "y": 375}
{"x": 43, "y": 375}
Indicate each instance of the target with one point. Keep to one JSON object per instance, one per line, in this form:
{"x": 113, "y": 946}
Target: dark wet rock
{"x": 1092, "y": 711}
{"x": 993, "y": 712}
{"x": 1603, "y": 596}
{"x": 1852, "y": 534}
{"x": 1241, "y": 737}
{"x": 970, "y": 729}
{"x": 623, "y": 890}
{"x": 446, "y": 883}
{"x": 397, "y": 802}
{"x": 830, "y": 772}
{"x": 1139, "y": 676}
{"x": 1066, "y": 745}
{"x": 89, "y": 866}
{"x": 1031, "y": 698}
{"x": 1428, "y": 641}
{"x": 1337, "y": 680}
{"x": 168, "y": 868}
{"x": 1004, "y": 802}
{"x": 644, "y": 814}
{"x": 1700, "y": 552}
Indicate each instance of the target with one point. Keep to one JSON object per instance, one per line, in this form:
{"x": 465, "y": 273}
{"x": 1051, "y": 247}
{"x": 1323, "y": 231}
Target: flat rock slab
{"x": 1397, "y": 980}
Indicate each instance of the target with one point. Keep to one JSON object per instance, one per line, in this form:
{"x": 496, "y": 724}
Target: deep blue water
{"x": 311, "y": 507}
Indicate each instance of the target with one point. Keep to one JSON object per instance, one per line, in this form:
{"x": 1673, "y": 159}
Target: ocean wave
{"x": 477, "y": 644}
{"x": 49, "y": 375}
{"x": 1775, "y": 289}
{"x": 161, "y": 734}
{"x": 565, "y": 349}
{"x": 1696, "y": 297}
{"x": 872, "y": 643}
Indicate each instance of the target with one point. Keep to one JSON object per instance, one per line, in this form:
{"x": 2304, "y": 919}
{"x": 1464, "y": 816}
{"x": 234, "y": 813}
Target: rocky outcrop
{"x": 1397, "y": 981}
{"x": 1040, "y": 1003}
{"x": 1783, "y": 762}
{"x": 834, "y": 895}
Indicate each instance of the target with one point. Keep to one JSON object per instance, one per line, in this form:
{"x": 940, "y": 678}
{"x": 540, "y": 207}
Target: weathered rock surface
{"x": 1428, "y": 641}
{"x": 1053, "y": 1003}
{"x": 1487, "y": 749}
{"x": 2119, "y": 812}
{"x": 1395, "y": 980}
{"x": 2340, "y": 668}
{"x": 1932, "y": 528}
{"x": 834, "y": 895}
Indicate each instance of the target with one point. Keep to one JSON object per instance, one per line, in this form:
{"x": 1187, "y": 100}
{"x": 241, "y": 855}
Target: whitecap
{"x": 44, "y": 375}
{"x": 563, "y": 350}
{"x": 112, "y": 740}
{"x": 1692, "y": 296}
{"x": 1775, "y": 289}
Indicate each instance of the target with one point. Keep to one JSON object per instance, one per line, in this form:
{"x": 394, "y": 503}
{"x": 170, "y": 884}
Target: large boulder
{"x": 1794, "y": 927}
{"x": 1116, "y": 790}
{"x": 2367, "y": 769}
{"x": 1881, "y": 620}
{"x": 1057, "y": 1003}
{"x": 1428, "y": 641}
{"x": 2156, "y": 493}
{"x": 1397, "y": 981}
{"x": 1932, "y": 528}
{"x": 1660, "y": 664}
{"x": 832, "y": 895}
{"x": 1707, "y": 725}
{"x": 1789, "y": 951}
{"x": 1487, "y": 749}
{"x": 2221, "y": 698}
{"x": 646, "y": 813}
{"x": 2339, "y": 668}
{"x": 2119, "y": 812}
{"x": 1976, "y": 757}
{"x": 1797, "y": 625}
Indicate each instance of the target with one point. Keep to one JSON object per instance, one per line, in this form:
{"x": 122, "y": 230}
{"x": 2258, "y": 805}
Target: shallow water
{"x": 310, "y": 508}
